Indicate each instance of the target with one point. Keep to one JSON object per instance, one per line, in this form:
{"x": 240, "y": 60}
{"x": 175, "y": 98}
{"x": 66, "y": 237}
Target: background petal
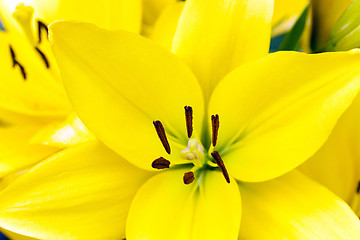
{"x": 294, "y": 207}
{"x": 337, "y": 163}
{"x": 276, "y": 113}
{"x": 209, "y": 208}
{"x": 63, "y": 134}
{"x": 119, "y": 83}
{"x": 82, "y": 193}
{"x": 214, "y": 37}
{"x": 16, "y": 151}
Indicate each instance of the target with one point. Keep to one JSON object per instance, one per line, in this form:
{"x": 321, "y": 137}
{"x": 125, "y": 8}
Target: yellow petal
{"x": 108, "y": 14}
{"x": 82, "y": 193}
{"x": 16, "y": 152}
{"x": 294, "y": 207}
{"x": 276, "y": 113}
{"x": 209, "y": 208}
{"x": 214, "y": 37}
{"x": 336, "y": 164}
{"x": 165, "y": 26}
{"x": 286, "y": 12}
{"x": 63, "y": 134}
{"x": 153, "y": 8}
{"x": 119, "y": 83}
{"x": 325, "y": 14}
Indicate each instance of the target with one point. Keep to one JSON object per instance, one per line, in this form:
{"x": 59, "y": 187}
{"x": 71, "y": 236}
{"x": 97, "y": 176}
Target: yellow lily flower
{"x": 222, "y": 129}
{"x": 32, "y": 95}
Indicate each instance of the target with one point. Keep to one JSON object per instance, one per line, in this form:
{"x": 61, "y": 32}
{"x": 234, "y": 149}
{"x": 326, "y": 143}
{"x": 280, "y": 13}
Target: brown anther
{"x": 160, "y": 163}
{"x": 188, "y": 177}
{"x": 189, "y": 120}
{"x": 41, "y": 26}
{"x": 15, "y": 62}
{"x": 215, "y": 128}
{"x": 221, "y": 165}
{"x": 358, "y": 188}
{"x": 46, "y": 61}
{"x": 161, "y": 133}
{"x": 13, "y": 57}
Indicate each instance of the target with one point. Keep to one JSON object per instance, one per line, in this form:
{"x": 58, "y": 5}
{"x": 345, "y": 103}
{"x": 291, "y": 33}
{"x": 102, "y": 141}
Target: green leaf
{"x": 291, "y": 39}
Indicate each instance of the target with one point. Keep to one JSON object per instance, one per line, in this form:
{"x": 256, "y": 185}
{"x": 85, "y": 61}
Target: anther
{"x": 46, "y": 61}
{"x": 358, "y": 188}
{"x": 160, "y": 163}
{"x": 221, "y": 165}
{"x": 215, "y": 128}
{"x": 15, "y": 62}
{"x": 13, "y": 56}
{"x": 41, "y": 26}
{"x": 161, "y": 134}
{"x": 189, "y": 120}
{"x": 188, "y": 177}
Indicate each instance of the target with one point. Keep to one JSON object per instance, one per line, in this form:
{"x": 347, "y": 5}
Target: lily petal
{"x": 108, "y": 14}
{"x": 277, "y": 112}
{"x": 72, "y": 195}
{"x": 214, "y": 37}
{"x": 16, "y": 153}
{"x": 208, "y": 208}
{"x": 119, "y": 83}
{"x": 295, "y": 207}
{"x": 38, "y": 95}
{"x": 337, "y": 165}
{"x": 63, "y": 134}
{"x": 165, "y": 26}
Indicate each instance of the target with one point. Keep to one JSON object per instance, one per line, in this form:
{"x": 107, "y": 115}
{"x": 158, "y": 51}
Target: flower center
{"x": 194, "y": 151}
{"x": 24, "y": 16}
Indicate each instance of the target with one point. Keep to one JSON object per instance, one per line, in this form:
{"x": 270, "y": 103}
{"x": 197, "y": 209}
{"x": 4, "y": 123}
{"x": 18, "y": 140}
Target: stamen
{"x": 215, "y": 128}
{"x": 161, "y": 133}
{"x": 22, "y": 69}
{"x": 46, "y": 61}
{"x": 358, "y": 188}
{"x": 13, "y": 57}
{"x": 15, "y": 62}
{"x": 41, "y": 26}
{"x": 221, "y": 165}
{"x": 160, "y": 163}
{"x": 189, "y": 120}
{"x": 188, "y": 177}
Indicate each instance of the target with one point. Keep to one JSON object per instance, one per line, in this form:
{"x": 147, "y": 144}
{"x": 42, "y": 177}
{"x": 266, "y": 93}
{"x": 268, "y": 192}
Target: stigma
{"x": 194, "y": 152}
{"x": 24, "y": 16}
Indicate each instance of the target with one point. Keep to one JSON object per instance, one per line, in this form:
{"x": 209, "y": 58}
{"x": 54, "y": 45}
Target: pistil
{"x": 24, "y": 16}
